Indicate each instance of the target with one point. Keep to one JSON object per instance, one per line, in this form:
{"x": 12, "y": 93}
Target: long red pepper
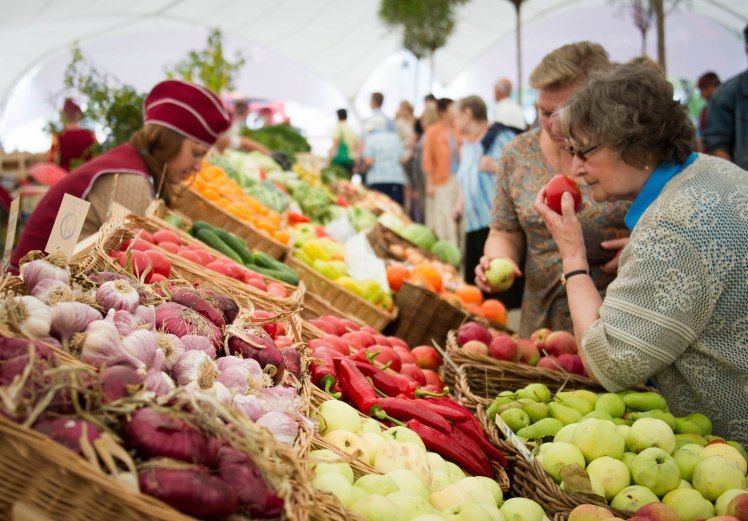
{"x": 447, "y": 413}
{"x": 404, "y": 409}
{"x": 324, "y": 375}
{"x": 355, "y": 386}
{"x": 389, "y": 384}
{"x": 446, "y": 446}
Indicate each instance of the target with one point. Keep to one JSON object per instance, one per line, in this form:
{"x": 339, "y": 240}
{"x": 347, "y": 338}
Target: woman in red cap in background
{"x": 181, "y": 122}
{"x": 74, "y": 143}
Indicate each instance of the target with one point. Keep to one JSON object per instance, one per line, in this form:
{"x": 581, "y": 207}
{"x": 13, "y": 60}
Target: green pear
{"x": 565, "y": 414}
{"x": 657, "y": 414}
{"x": 685, "y": 439}
{"x": 566, "y": 433}
{"x": 493, "y": 409}
{"x": 515, "y": 419}
{"x": 575, "y": 402}
{"x": 704, "y": 423}
{"x": 687, "y": 457}
{"x": 600, "y": 415}
{"x": 536, "y": 411}
{"x": 625, "y": 392}
{"x": 686, "y": 426}
{"x": 645, "y": 402}
{"x": 535, "y": 392}
{"x": 622, "y": 421}
{"x": 541, "y": 429}
{"x": 612, "y": 404}
{"x": 586, "y": 394}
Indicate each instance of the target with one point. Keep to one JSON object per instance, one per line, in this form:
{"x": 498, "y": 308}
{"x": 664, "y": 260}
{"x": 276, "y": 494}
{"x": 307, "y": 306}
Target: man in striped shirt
{"x": 479, "y": 157}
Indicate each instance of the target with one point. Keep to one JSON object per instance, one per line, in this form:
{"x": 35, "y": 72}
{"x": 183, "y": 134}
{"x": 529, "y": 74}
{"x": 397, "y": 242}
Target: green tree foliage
{"x": 209, "y": 67}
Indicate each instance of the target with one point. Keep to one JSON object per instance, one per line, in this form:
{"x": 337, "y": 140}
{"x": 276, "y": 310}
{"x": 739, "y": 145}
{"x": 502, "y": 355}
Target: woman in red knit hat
{"x": 181, "y": 122}
{"x": 74, "y": 143}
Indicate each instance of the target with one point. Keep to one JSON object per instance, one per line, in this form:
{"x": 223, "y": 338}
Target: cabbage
{"x": 392, "y": 222}
{"x": 419, "y": 235}
{"x": 447, "y": 252}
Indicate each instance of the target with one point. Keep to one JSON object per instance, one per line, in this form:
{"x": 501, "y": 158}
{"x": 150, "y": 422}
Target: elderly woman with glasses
{"x": 678, "y": 310}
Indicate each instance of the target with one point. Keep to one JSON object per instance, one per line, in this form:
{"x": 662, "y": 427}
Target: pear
{"x": 565, "y": 414}
{"x": 686, "y": 426}
{"x": 611, "y": 403}
{"x": 536, "y": 411}
{"x": 704, "y": 423}
{"x": 583, "y": 405}
{"x": 657, "y": 414}
{"x": 622, "y": 421}
{"x": 535, "y": 392}
{"x": 586, "y": 394}
{"x": 541, "y": 429}
{"x": 600, "y": 415}
{"x": 498, "y": 402}
{"x": 645, "y": 401}
{"x": 515, "y": 419}
{"x": 685, "y": 439}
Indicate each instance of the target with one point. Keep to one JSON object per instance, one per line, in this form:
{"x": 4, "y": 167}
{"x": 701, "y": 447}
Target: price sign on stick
{"x": 10, "y": 233}
{"x": 68, "y": 225}
{"x": 513, "y": 439}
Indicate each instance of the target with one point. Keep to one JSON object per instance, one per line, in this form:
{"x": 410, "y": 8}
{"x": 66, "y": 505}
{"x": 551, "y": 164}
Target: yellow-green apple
{"x": 597, "y": 438}
{"x": 651, "y": 432}
{"x": 476, "y": 490}
{"x": 491, "y": 486}
{"x": 473, "y": 331}
{"x": 335, "y": 484}
{"x": 450, "y": 496}
{"x": 454, "y": 472}
{"x": 503, "y": 347}
{"x": 715, "y": 475}
{"x": 528, "y": 353}
{"x": 469, "y": 511}
{"x": 538, "y": 337}
{"x": 372, "y": 442}
{"x": 377, "y": 508}
{"x": 521, "y": 509}
{"x": 336, "y": 414}
{"x": 704, "y": 423}
{"x": 403, "y": 435}
{"x": 628, "y": 459}
{"x": 376, "y": 484}
{"x": 426, "y": 357}
{"x": 410, "y": 505}
{"x": 726, "y": 451}
{"x": 500, "y": 274}
{"x": 408, "y": 481}
{"x": 429, "y": 517}
{"x": 633, "y": 498}
{"x": 439, "y": 480}
{"x": 688, "y": 504}
{"x": 370, "y": 425}
{"x": 558, "y": 454}
{"x": 687, "y": 457}
{"x": 724, "y": 500}
{"x": 403, "y": 456}
{"x": 612, "y": 473}
{"x": 657, "y": 470}
{"x": 566, "y": 433}
{"x": 611, "y": 403}
{"x": 326, "y": 461}
{"x": 348, "y": 443}
{"x": 685, "y": 439}
{"x": 560, "y": 342}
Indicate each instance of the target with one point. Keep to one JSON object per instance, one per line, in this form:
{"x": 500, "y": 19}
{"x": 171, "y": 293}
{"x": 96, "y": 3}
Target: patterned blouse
{"x": 522, "y": 173}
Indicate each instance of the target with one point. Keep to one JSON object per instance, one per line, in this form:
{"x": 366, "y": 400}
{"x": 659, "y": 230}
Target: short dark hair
{"x": 342, "y": 114}
{"x": 476, "y": 106}
{"x": 377, "y": 98}
{"x": 708, "y": 79}
{"x": 442, "y": 105}
{"x": 429, "y": 97}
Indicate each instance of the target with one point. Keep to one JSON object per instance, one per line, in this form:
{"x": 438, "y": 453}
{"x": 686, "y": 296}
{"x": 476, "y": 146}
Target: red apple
{"x": 395, "y": 341}
{"x": 432, "y": 378}
{"x": 414, "y": 373}
{"x": 657, "y": 512}
{"x": 738, "y": 507}
{"x": 406, "y": 356}
{"x": 475, "y": 346}
{"x": 426, "y": 357}
{"x": 556, "y": 188}
{"x": 528, "y": 352}
{"x": 549, "y": 362}
{"x": 538, "y": 337}
{"x": 571, "y": 363}
{"x": 560, "y": 342}
{"x": 368, "y": 329}
{"x": 503, "y": 347}
{"x": 473, "y": 331}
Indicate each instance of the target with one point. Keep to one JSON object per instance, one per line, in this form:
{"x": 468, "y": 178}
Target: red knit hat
{"x": 189, "y": 109}
{"x": 71, "y": 108}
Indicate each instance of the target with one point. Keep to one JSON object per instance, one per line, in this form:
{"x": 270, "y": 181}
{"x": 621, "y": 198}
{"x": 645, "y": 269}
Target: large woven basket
{"x": 424, "y": 317}
{"x": 196, "y": 207}
{"x": 339, "y": 297}
{"x": 382, "y": 240}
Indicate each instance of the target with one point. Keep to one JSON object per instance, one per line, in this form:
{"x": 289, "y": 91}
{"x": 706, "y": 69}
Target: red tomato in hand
{"x": 556, "y": 188}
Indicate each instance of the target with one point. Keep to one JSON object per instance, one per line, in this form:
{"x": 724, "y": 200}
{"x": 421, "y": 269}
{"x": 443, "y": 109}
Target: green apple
{"x": 359, "y": 493}
{"x": 633, "y": 498}
{"x": 469, "y": 511}
{"x": 450, "y": 496}
{"x": 535, "y": 392}
{"x": 372, "y": 442}
{"x": 566, "y": 433}
{"x": 687, "y": 457}
{"x": 403, "y": 435}
{"x": 439, "y": 480}
{"x": 500, "y": 274}
{"x": 611, "y": 403}
{"x": 651, "y": 432}
{"x": 410, "y": 505}
{"x": 494, "y": 514}
{"x": 376, "y": 484}
{"x": 625, "y": 431}
{"x": 656, "y": 414}
{"x": 738, "y": 447}
{"x": 612, "y": 473}
{"x": 476, "y": 490}
{"x": 597, "y": 438}
{"x": 687, "y": 426}
{"x": 377, "y": 508}
{"x": 515, "y": 419}
{"x": 726, "y": 451}
{"x": 454, "y": 472}
{"x": 558, "y": 454}
{"x": 536, "y": 411}
{"x": 429, "y": 517}
{"x": 715, "y": 475}
{"x": 325, "y": 461}
{"x": 728, "y": 495}
{"x": 337, "y": 485}
{"x": 657, "y": 470}
{"x": 685, "y": 484}
{"x": 395, "y": 455}
{"x": 521, "y": 509}
{"x": 348, "y": 443}
{"x": 335, "y": 414}
{"x": 371, "y": 425}
{"x": 436, "y": 462}
{"x": 628, "y": 459}
{"x": 408, "y": 481}
{"x": 688, "y": 504}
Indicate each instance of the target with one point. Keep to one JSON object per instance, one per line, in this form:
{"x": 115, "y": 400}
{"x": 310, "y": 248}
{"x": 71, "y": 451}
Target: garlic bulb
{"x": 216, "y": 389}
{"x": 37, "y": 270}
{"x": 283, "y": 427}
{"x": 235, "y": 379}
{"x": 52, "y": 291}
{"x": 69, "y": 318}
{"x": 155, "y": 379}
{"x": 142, "y": 345}
{"x": 122, "y": 320}
{"x": 117, "y": 294}
{"x": 145, "y": 317}
{"x": 31, "y": 315}
{"x": 102, "y": 345}
{"x": 249, "y": 405}
{"x": 199, "y": 343}
{"x": 172, "y": 347}
{"x": 194, "y": 366}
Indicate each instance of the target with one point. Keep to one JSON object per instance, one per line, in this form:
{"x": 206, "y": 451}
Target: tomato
{"x": 189, "y": 255}
{"x": 146, "y": 236}
{"x": 166, "y": 236}
{"x": 157, "y": 277}
{"x": 160, "y": 263}
{"x": 255, "y": 282}
{"x": 277, "y": 289}
{"x": 139, "y": 244}
{"x": 141, "y": 263}
{"x": 204, "y": 255}
{"x": 235, "y": 271}
{"x": 556, "y": 188}
{"x": 229, "y": 270}
{"x": 171, "y": 247}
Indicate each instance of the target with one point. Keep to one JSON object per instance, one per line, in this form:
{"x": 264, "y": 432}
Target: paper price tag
{"x": 68, "y": 225}
{"x": 10, "y": 233}
{"x": 513, "y": 439}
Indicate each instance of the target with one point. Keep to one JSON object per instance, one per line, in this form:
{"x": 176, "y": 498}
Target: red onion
{"x": 227, "y": 305}
{"x": 292, "y": 361}
{"x": 242, "y": 476}
{"x": 180, "y": 320}
{"x": 13, "y": 347}
{"x": 157, "y": 434}
{"x": 193, "y": 300}
{"x": 120, "y": 381}
{"x": 68, "y": 431}
{"x": 192, "y": 491}
{"x": 256, "y": 344}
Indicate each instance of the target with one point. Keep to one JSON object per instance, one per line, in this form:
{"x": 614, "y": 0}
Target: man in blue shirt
{"x": 383, "y": 159}
{"x": 479, "y": 158}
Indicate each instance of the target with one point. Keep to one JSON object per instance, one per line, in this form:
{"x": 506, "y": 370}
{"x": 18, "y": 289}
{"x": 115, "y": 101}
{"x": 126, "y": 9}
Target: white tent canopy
{"x": 322, "y": 53}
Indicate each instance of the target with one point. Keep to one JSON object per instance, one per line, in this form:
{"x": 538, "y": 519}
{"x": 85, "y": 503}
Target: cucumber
{"x": 200, "y": 225}
{"x": 236, "y": 244}
{"x": 264, "y": 260}
{"x": 210, "y": 238}
{"x": 288, "y": 278}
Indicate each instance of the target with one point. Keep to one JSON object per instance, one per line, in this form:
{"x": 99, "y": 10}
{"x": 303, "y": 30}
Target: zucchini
{"x": 210, "y": 238}
{"x": 236, "y": 244}
{"x": 288, "y": 278}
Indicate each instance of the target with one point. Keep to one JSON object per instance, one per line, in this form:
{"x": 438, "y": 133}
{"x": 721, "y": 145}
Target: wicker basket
{"x": 315, "y": 307}
{"x": 339, "y": 297}
{"x": 382, "y": 239}
{"x": 425, "y": 317}
{"x": 196, "y": 207}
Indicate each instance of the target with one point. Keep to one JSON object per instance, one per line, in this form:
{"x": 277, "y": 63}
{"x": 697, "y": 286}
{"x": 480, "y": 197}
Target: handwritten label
{"x": 513, "y": 439}
{"x": 68, "y": 225}
{"x": 10, "y": 233}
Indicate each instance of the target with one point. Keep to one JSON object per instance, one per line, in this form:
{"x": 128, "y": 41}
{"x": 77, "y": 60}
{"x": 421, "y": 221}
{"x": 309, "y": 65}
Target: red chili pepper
{"x": 389, "y": 384}
{"x": 356, "y": 387}
{"x": 342, "y": 202}
{"x": 295, "y": 218}
{"x": 447, "y": 446}
{"x": 447, "y": 413}
{"x": 323, "y": 371}
{"x": 404, "y": 409}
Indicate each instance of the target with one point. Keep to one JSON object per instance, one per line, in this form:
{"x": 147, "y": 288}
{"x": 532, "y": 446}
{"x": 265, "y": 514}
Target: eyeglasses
{"x": 582, "y": 154}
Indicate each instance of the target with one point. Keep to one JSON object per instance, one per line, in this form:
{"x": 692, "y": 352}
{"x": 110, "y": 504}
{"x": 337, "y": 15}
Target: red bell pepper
{"x": 296, "y": 218}
{"x": 448, "y": 447}
{"x": 323, "y": 371}
{"x": 404, "y": 409}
